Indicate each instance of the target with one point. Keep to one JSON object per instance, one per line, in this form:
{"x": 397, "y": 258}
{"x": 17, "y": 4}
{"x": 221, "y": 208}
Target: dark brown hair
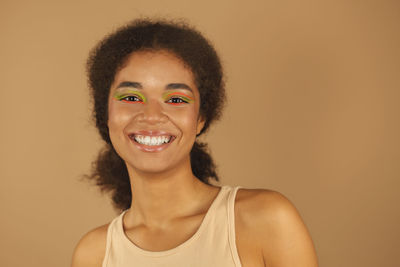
{"x": 109, "y": 170}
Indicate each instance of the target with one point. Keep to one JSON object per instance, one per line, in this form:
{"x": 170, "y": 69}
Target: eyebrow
{"x": 130, "y": 84}
{"x": 173, "y": 86}
{"x": 170, "y": 86}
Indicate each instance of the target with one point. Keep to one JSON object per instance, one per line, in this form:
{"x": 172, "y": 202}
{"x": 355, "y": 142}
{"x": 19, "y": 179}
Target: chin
{"x": 150, "y": 167}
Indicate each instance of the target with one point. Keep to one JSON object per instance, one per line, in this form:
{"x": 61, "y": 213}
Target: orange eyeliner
{"x": 121, "y": 95}
{"x": 184, "y": 96}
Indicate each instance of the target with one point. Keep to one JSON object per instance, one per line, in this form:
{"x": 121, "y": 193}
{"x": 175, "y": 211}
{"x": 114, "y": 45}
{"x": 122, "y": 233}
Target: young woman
{"x": 156, "y": 87}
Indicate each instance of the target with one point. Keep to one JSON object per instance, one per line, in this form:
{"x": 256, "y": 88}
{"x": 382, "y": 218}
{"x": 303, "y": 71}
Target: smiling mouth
{"x": 153, "y": 141}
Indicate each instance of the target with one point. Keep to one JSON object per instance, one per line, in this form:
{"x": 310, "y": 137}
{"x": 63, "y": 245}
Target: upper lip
{"x": 151, "y": 133}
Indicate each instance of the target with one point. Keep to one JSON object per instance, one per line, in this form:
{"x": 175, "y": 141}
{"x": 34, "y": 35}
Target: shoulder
{"x": 263, "y": 210}
{"x": 272, "y": 223}
{"x": 267, "y": 198}
{"x": 263, "y": 206}
{"x": 90, "y": 250}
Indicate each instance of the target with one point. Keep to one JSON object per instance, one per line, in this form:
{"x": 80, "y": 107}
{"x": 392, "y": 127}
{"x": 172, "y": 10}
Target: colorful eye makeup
{"x": 181, "y": 97}
{"x": 135, "y": 96}
{"x": 130, "y": 96}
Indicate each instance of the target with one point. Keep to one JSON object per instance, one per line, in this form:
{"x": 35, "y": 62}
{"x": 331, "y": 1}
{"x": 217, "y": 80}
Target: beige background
{"x": 313, "y": 112}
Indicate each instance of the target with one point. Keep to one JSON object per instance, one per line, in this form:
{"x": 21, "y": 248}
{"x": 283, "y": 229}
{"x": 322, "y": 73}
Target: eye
{"x": 130, "y": 99}
{"x": 177, "y": 100}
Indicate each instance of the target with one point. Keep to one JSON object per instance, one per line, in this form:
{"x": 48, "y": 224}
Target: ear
{"x": 200, "y": 124}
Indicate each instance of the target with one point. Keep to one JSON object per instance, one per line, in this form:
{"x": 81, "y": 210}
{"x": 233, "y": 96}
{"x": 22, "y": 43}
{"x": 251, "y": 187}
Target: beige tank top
{"x": 212, "y": 245}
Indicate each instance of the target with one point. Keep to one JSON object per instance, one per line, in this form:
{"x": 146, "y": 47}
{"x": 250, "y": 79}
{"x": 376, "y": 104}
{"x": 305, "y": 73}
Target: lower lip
{"x": 147, "y": 148}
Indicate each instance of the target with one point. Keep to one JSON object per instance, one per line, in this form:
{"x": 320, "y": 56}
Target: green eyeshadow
{"x": 121, "y": 95}
{"x": 181, "y": 95}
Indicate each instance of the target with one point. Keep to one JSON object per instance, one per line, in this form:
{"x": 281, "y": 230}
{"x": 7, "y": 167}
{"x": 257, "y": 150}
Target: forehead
{"x": 154, "y": 67}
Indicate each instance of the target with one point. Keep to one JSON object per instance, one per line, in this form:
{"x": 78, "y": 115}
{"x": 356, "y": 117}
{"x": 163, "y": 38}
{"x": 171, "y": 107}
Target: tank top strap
{"x": 221, "y": 228}
{"x": 231, "y": 225}
{"x": 111, "y": 230}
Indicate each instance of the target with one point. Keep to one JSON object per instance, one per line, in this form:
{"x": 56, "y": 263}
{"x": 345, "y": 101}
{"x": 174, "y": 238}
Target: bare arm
{"x": 285, "y": 238}
{"x": 272, "y": 229}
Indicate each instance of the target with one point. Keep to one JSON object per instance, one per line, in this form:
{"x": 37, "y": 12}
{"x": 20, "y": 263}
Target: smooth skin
{"x": 168, "y": 201}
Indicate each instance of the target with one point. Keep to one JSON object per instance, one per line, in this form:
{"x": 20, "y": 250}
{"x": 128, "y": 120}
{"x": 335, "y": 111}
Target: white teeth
{"x": 152, "y": 141}
{"x": 147, "y": 140}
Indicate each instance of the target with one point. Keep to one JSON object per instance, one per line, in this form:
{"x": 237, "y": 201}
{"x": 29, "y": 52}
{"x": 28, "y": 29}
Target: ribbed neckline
{"x": 206, "y": 219}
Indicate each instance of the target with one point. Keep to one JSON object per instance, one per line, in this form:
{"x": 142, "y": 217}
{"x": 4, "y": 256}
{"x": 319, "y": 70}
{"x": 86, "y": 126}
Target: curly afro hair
{"x": 109, "y": 170}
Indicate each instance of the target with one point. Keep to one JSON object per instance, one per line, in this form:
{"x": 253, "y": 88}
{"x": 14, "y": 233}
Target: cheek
{"x": 118, "y": 115}
{"x": 187, "y": 119}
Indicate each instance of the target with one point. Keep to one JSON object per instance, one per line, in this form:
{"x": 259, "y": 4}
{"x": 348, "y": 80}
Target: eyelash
{"x": 125, "y": 99}
{"x": 178, "y": 98}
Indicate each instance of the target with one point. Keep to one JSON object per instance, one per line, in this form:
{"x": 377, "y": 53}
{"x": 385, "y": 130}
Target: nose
{"x": 153, "y": 113}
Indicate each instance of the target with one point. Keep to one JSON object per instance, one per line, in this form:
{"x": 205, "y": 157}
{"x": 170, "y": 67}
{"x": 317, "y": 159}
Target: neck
{"x": 158, "y": 198}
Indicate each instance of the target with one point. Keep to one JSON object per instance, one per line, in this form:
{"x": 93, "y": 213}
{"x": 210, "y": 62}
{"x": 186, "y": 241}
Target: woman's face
{"x": 153, "y": 112}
